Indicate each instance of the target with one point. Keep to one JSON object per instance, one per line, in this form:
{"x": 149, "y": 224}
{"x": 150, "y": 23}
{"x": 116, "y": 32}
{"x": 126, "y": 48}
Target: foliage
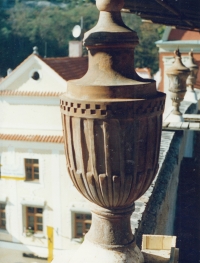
{"x": 22, "y": 27}
{"x": 26, "y": 27}
{"x": 146, "y": 53}
{"x": 53, "y": 25}
{"x": 5, "y": 39}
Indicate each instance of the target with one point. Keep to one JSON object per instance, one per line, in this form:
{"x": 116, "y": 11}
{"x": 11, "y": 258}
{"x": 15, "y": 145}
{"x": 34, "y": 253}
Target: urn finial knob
{"x": 35, "y": 50}
{"x": 109, "y": 5}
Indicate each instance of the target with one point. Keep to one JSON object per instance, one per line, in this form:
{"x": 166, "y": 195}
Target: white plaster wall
{"x": 54, "y": 192}
{"x": 35, "y": 115}
{"x": 20, "y": 79}
{"x": 31, "y": 114}
{"x": 30, "y": 119}
{"x": 73, "y": 202}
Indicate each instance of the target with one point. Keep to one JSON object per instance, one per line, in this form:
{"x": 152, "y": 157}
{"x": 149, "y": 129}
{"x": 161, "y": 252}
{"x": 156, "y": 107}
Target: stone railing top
{"x": 140, "y": 204}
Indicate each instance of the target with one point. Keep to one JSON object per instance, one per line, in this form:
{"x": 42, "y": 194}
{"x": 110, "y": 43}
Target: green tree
{"x": 5, "y": 43}
{"x": 146, "y": 53}
{"x": 23, "y": 27}
{"x": 50, "y": 25}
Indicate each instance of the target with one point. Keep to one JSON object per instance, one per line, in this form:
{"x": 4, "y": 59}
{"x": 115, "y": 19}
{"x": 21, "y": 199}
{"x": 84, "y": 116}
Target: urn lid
{"x": 177, "y": 68}
{"x": 110, "y": 28}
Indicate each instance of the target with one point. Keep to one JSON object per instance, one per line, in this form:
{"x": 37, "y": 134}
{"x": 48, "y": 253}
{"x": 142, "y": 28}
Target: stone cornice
{"x": 184, "y": 46}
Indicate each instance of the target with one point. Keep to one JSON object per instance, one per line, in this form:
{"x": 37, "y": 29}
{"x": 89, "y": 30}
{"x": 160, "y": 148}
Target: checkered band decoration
{"x": 101, "y": 109}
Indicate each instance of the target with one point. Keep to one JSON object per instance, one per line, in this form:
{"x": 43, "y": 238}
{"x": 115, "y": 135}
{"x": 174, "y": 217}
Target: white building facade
{"x": 35, "y": 189}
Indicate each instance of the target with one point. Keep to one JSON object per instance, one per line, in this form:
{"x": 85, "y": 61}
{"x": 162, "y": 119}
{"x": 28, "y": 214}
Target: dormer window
{"x": 35, "y": 75}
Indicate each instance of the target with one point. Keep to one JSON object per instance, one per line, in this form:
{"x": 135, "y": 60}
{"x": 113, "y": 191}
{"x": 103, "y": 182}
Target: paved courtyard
{"x": 15, "y": 256}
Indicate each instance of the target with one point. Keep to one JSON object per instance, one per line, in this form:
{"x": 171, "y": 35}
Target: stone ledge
{"x": 148, "y": 205}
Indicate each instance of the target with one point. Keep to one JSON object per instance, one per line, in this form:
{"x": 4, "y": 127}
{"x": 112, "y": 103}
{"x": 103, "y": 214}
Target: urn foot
{"x": 110, "y": 239}
{"x": 90, "y": 253}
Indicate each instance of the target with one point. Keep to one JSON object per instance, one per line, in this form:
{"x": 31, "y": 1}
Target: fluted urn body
{"x": 112, "y": 122}
{"x": 177, "y": 75}
{"x": 191, "y": 79}
{"x": 112, "y": 147}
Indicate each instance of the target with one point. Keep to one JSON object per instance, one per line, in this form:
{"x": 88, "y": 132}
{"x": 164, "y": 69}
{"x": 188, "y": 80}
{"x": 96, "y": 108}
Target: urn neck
{"x": 111, "y": 73}
{"x": 113, "y": 226}
{"x": 176, "y": 110}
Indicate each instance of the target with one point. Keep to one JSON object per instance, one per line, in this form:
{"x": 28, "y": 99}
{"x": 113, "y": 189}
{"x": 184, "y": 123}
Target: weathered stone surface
{"x": 112, "y": 122}
{"x": 154, "y": 218}
{"x": 177, "y": 75}
{"x": 191, "y": 80}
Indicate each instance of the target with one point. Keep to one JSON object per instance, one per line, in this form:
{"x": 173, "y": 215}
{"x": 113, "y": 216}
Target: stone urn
{"x": 177, "y": 75}
{"x": 191, "y": 80}
{"x": 112, "y": 121}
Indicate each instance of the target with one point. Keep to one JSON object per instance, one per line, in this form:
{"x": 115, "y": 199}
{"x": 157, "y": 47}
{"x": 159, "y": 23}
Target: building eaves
{"x": 183, "y": 14}
{"x": 32, "y": 138}
{"x": 24, "y": 63}
{"x": 184, "y": 45}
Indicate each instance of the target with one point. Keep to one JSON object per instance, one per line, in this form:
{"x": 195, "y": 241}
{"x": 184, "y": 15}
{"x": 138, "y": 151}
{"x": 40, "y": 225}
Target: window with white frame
{"x": 82, "y": 223}
{"x": 32, "y": 169}
{"x": 2, "y": 216}
{"x": 34, "y": 219}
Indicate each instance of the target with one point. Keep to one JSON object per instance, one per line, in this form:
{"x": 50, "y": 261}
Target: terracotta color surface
{"x": 112, "y": 121}
{"x": 68, "y": 68}
{"x": 32, "y": 138}
{"x": 178, "y": 34}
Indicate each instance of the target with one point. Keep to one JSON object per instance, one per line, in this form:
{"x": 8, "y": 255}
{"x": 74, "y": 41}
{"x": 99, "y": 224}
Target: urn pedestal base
{"x": 109, "y": 239}
{"x": 90, "y": 253}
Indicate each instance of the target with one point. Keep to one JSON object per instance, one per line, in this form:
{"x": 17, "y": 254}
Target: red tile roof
{"x": 32, "y": 138}
{"x": 68, "y": 67}
{"x": 29, "y": 93}
{"x": 179, "y": 34}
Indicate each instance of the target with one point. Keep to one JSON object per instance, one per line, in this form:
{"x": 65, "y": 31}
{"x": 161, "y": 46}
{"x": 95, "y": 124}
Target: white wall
{"x": 54, "y": 192}
{"x": 30, "y": 119}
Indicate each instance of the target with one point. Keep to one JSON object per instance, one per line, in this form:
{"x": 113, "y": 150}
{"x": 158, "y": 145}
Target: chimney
{"x": 75, "y": 49}
{"x": 35, "y": 50}
{"x": 9, "y": 71}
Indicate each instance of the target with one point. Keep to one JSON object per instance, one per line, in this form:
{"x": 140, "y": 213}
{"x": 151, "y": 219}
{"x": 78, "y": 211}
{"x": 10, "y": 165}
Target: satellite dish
{"x": 76, "y": 31}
